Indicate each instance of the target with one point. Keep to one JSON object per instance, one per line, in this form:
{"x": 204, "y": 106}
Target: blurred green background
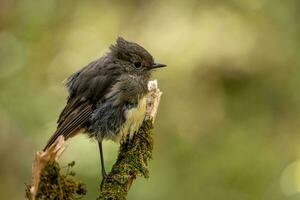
{"x": 228, "y": 123}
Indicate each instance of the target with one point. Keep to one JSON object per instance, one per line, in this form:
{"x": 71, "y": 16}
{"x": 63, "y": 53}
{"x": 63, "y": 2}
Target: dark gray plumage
{"x": 106, "y": 98}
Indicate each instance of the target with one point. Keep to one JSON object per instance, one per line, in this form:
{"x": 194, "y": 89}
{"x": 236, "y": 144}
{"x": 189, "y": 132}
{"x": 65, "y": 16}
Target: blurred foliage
{"x": 228, "y": 123}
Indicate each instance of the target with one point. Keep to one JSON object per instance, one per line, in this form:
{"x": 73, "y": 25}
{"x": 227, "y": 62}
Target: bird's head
{"x": 135, "y": 58}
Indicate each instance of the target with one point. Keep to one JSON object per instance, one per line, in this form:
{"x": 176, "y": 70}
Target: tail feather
{"x": 71, "y": 124}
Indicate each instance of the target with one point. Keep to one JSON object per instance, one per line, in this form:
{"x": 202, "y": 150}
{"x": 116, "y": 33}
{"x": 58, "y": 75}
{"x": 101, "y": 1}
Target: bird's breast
{"x": 134, "y": 118}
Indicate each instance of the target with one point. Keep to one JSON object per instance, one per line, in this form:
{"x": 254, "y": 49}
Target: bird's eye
{"x": 137, "y": 64}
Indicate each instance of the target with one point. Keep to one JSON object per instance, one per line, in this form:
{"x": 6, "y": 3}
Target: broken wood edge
{"x": 153, "y": 100}
{"x": 41, "y": 159}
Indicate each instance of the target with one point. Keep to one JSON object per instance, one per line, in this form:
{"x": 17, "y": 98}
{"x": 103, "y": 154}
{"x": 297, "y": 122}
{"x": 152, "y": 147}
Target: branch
{"x": 47, "y": 180}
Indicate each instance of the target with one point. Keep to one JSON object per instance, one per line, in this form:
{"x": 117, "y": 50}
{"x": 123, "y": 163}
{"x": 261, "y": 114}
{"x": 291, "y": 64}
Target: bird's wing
{"x": 86, "y": 87}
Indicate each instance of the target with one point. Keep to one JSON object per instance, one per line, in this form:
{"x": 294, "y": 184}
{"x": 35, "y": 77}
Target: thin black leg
{"x": 102, "y": 160}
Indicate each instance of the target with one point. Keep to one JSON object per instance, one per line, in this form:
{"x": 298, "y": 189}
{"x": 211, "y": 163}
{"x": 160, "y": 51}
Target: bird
{"x": 107, "y": 98}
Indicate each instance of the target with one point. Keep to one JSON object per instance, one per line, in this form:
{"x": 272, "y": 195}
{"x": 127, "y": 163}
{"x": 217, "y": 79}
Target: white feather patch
{"x": 134, "y": 119}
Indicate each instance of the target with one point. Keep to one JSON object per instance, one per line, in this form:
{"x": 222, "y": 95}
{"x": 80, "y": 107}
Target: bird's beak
{"x": 157, "y": 65}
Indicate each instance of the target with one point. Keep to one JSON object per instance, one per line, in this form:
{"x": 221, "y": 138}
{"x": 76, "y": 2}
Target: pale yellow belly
{"x": 134, "y": 119}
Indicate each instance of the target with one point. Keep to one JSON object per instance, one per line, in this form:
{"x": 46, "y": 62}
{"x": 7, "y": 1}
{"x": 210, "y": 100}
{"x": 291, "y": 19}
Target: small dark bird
{"x": 107, "y": 98}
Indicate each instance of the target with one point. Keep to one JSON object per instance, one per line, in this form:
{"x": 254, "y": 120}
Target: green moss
{"x": 57, "y": 186}
{"x": 132, "y": 161}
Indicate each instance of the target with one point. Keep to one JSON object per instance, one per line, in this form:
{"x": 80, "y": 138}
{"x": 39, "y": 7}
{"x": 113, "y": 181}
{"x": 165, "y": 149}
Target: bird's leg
{"x": 104, "y": 175}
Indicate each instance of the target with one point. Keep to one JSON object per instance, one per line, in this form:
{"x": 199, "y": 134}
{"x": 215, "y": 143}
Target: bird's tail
{"x": 52, "y": 140}
{"x": 71, "y": 125}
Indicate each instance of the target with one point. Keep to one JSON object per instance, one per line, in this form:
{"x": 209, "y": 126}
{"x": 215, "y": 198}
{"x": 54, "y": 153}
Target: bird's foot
{"x": 104, "y": 174}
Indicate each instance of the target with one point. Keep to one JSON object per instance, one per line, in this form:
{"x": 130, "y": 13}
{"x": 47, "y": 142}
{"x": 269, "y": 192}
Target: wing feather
{"x": 86, "y": 88}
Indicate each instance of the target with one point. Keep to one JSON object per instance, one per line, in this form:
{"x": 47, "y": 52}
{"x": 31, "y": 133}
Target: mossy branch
{"x": 48, "y": 182}
{"x": 132, "y": 162}
{"x": 57, "y": 185}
